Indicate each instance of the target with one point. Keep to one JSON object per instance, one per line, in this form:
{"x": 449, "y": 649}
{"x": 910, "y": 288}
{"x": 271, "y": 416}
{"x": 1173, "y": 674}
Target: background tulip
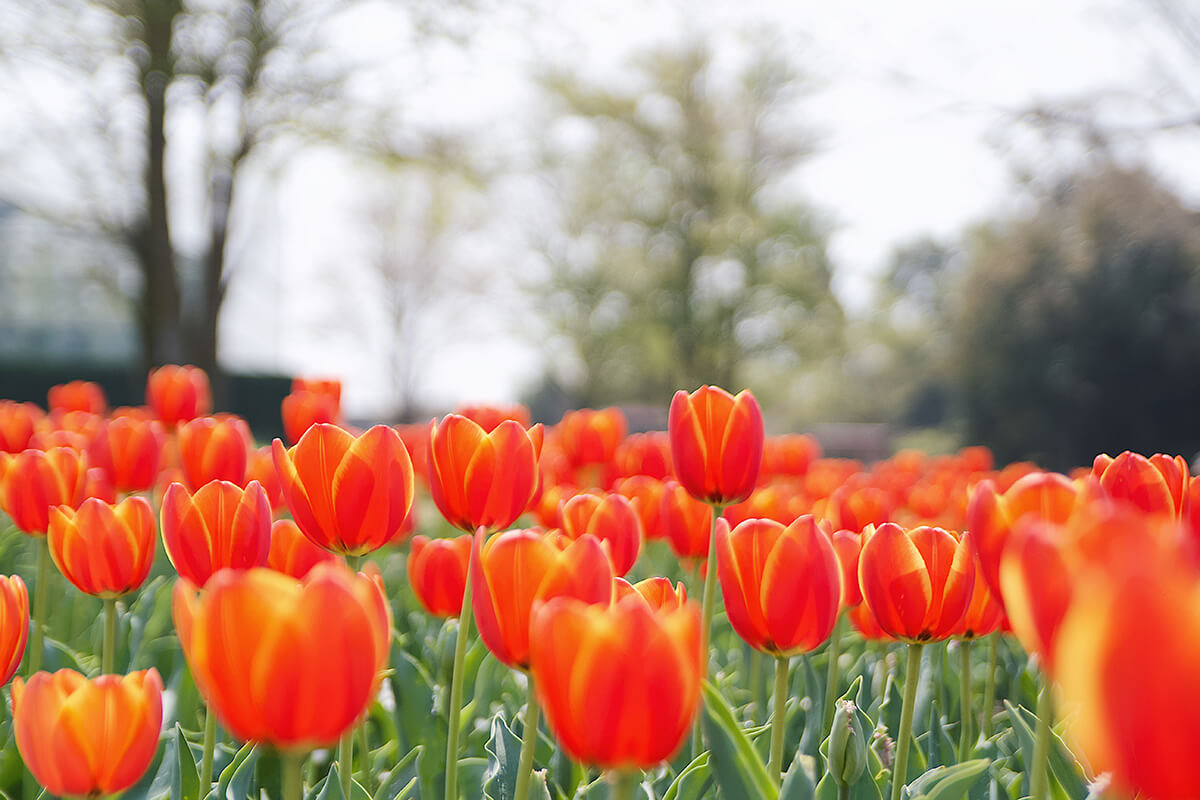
{"x": 35, "y": 481}
{"x": 437, "y": 572}
{"x": 77, "y": 396}
{"x": 104, "y": 550}
{"x": 178, "y": 394}
{"x": 214, "y": 449}
{"x": 14, "y": 624}
{"x": 291, "y": 551}
{"x": 129, "y": 450}
{"x": 17, "y": 421}
{"x": 589, "y": 437}
{"x": 301, "y": 410}
{"x": 610, "y": 518}
{"x": 221, "y": 526}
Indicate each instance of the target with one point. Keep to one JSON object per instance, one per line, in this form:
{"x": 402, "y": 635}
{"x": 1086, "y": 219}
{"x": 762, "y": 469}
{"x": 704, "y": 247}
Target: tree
{"x": 678, "y": 256}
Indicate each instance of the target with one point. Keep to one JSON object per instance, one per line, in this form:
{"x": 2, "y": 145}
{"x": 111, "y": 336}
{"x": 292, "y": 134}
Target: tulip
{"x": 292, "y": 553}
{"x": 178, "y": 394}
{"x": 260, "y": 467}
{"x": 437, "y": 572}
{"x": 1158, "y": 484}
{"x": 293, "y": 664}
{"x": 301, "y": 410}
{"x": 17, "y": 425}
{"x": 848, "y": 546}
{"x": 214, "y": 449}
{"x": 219, "y": 527}
{"x": 104, "y": 550}
{"x": 87, "y": 738}
{"x": 685, "y": 521}
{"x": 327, "y": 386}
{"x": 14, "y": 624}
{"x": 349, "y": 495}
{"x": 642, "y": 671}
{"x": 35, "y": 481}
{"x": 480, "y": 479}
{"x": 644, "y": 454}
{"x": 855, "y": 509}
{"x": 789, "y": 455}
{"x": 716, "y": 443}
{"x": 128, "y": 450}
{"x": 490, "y": 417}
{"x": 589, "y": 437}
{"x": 657, "y": 592}
{"x": 611, "y": 519}
{"x": 77, "y": 396}
{"x": 645, "y": 493}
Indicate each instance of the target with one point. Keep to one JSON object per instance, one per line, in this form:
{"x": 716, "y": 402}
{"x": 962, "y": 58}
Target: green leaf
{"x": 188, "y": 786}
{"x": 504, "y": 754}
{"x": 693, "y": 782}
{"x": 330, "y": 788}
{"x": 797, "y": 784}
{"x": 237, "y": 779}
{"x": 740, "y": 772}
{"x": 863, "y": 789}
{"x": 948, "y": 783}
{"x": 400, "y": 777}
{"x": 1066, "y": 777}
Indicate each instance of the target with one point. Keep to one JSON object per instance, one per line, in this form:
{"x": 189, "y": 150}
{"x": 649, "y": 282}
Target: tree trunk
{"x": 205, "y": 340}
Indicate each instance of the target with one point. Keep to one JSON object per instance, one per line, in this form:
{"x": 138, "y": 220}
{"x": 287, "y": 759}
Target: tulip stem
{"x": 989, "y": 688}
{"x": 210, "y": 745}
{"x": 623, "y": 784}
{"x": 39, "y": 604}
{"x": 1039, "y": 782}
{"x": 108, "y": 654}
{"x": 754, "y": 664}
{"x": 964, "y": 700}
{"x": 778, "y": 719}
{"x": 831, "y": 683}
{"x": 710, "y": 596}
{"x": 346, "y": 760}
{"x": 293, "y": 784}
{"x": 844, "y": 791}
{"x": 912, "y": 677}
{"x": 528, "y": 745}
{"x": 454, "y": 708}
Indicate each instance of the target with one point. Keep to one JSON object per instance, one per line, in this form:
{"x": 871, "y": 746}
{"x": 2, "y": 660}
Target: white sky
{"x": 913, "y": 109}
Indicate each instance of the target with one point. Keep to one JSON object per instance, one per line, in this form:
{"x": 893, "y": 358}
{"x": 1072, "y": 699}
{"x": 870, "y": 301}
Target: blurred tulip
{"x": 766, "y": 502}
{"x": 867, "y": 626}
{"x": 214, "y": 449}
{"x": 548, "y": 503}
{"x": 35, "y": 481}
{"x": 331, "y": 387}
{"x": 590, "y": 437}
{"x": 611, "y": 519}
{"x": 221, "y": 526}
{"x": 17, "y": 424}
{"x": 104, "y": 550}
{"x": 855, "y": 509}
{"x": 178, "y": 394}
{"x": 260, "y": 466}
{"x": 984, "y": 614}
{"x": 1158, "y": 484}
{"x": 14, "y": 624}
{"x": 515, "y": 569}
{"x": 292, "y": 553}
{"x": 644, "y": 454}
{"x": 301, "y": 410}
{"x": 349, "y": 495}
{"x": 716, "y": 443}
{"x": 78, "y": 396}
{"x": 848, "y": 546}
{"x": 480, "y": 479}
{"x": 289, "y": 663}
{"x": 416, "y": 442}
{"x": 437, "y": 572}
{"x": 687, "y": 522}
{"x": 642, "y": 671}
{"x": 128, "y": 449}
{"x": 782, "y": 586}
{"x": 645, "y": 493}
{"x": 658, "y": 592}
{"x": 916, "y": 582}
{"x": 87, "y": 738}
{"x": 490, "y": 417}
{"x": 789, "y": 455}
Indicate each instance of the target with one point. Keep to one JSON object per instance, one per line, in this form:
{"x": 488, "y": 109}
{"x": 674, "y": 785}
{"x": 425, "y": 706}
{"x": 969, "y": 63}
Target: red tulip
{"x": 178, "y": 394}
{"x": 17, "y": 424}
{"x": 302, "y": 410}
{"x": 657, "y": 592}
{"x": 292, "y": 553}
{"x": 260, "y": 466}
{"x": 644, "y": 454}
{"x": 611, "y": 519}
{"x": 128, "y": 449}
{"x": 331, "y": 387}
{"x": 490, "y": 417}
{"x": 35, "y": 481}
{"x": 1158, "y": 484}
{"x": 587, "y": 436}
{"x": 437, "y": 572}
{"x": 716, "y": 443}
{"x": 214, "y": 449}
{"x": 220, "y": 526}
{"x": 848, "y": 546}
{"x": 103, "y": 549}
{"x": 78, "y": 396}
{"x": 14, "y": 624}
{"x": 686, "y": 522}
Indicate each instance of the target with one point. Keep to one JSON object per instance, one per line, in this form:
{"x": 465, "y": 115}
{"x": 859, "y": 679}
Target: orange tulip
{"x": 35, "y": 481}
{"x": 782, "y": 586}
{"x": 437, "y": 572}
{"x": 490, "y": 417}
{"x": 87, "y": 738}
{"x": 331, "y": 387}
{"x": 658, "y": 592}
{"x": 645, "y": 493}
{"x": 78, "y": 396}
{"x": 611, "y": 519}
{"x": 644, "y": 454}
{"x": 916, "y": 582}
{"x": 642, "y": 673}
{"x": 984, "y": 614}
{"x": 766, "y": 502}
{"x": 214, "y": 449}
{"x": 219, "y": 527}
{"x": 867, "y": 626}
{"x": 480, "y": 479}
{"x": 686, "y": 522}
{"x": 128, "y": 449}
{"x": 105, "y": 550}
{"x": 14, "y": 624}
{"x": 17, "y": 425}
{"x": 855, "y": 509}
{"x": 260, "y": 466}
{"x": 789, "y": 455}
{"x": 349, "y": 495}
{"x": 1158, "y": 484}
{"x": 587, "y": 436}
{"x": 848, "y": 546}
{"x": 292, "y": 553}
{"x": 716, "y": 443}
{"x": 302, "y": 410}
{"x": 178, "y": 394}
{"x": 290, "y": 663}
{"x": 515, "y": 569}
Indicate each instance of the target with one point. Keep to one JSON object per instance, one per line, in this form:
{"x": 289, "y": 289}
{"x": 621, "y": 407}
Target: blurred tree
{"x": 1078, "y": 327}
{"x": 679, "y": 255}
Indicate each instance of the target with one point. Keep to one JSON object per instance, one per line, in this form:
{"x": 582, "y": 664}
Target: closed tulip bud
{"x": 348, "y": 494}
{"x": 302, "y": 410}
{"x": 789, "y": 455}
{"x": 261, "y": 467}
{"x": 293, "y": 664}
{"x": 646, "y": 454}
{"x": 14, "y": 624}
{"x": 78, "y": 396}
{"x": 515, "y": 569}
{"x": 18, "y": 421}
{"x": 658, "y": 592}
{"x": 437, "y": 572}
{"x": 642, "y": 673}
{"x": 847, "y": 745}
{"x": 490, "y": 417}
{"x": 481, "y": 479}
{"x": 87, "y": 738}
{"x": 214, "y": 449}
{"x": 716, "y": 443}
{"x": 219, "y": 527}
{"x": 35, "y": 481}
{"x": 984, "y": 612}
{"x": 178, "y": 394}
{"x": 1157, "y": 484}
{"x": 855, "y": 509}
{"x": 782, "y": 586}
{"x": 645, "y": 493}
{"x": 611, "y": 519}
{"x": 590, "y": 437}
{"x": 848, "y": 545}
{"x": 128, "y": 449}
{"x": 292, "y": 553}
{"x": 104, "y": 550}
{"x": 686, "y": 522}
{"x": 327, "y": 386}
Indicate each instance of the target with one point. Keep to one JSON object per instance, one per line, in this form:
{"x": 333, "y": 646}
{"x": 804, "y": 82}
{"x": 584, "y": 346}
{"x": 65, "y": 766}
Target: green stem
{"x": 346, "y": 761}
{"x": 1039, "y": 779}
{"x": 210, "y": 745}
{"x": 109, "y": 653}
{"x": 528, "y": 745}
{"x": 364, "y": 771}
{"x": 912, "y": 677}
{"x": 844, "y": 792}
{"x": 623, "y": 784}
{"x": 454, "y": 709}
{"x": 964, "y": 667}
{"x": 755, "y": 663}
{"x": 831, "y": 679}
{"x": 39, "y": 605}
{"x": 989, "y": 688}
{"x": 710, "y": 596}
{"x": 293, "y": 785}
{"x": 778, "y": 719}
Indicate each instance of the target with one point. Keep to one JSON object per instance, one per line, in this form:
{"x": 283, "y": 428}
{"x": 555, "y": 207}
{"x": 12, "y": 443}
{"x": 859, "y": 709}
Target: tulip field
{"x": 481, "y": 607}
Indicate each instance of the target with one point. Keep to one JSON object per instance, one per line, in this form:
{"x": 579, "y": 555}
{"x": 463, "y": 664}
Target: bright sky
{"x": 914, "y": 107}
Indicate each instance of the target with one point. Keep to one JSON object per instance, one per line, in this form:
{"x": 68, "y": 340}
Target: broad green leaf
{"x": 693, "y": 782}
{"x": 399, "y": 777}
{"x": 740, "y": 772}
{"x": 1066, "y": 777}
{"x": 504, "y": 755}
{"x": 948, "y": 783}
{"x": 797, "y": 784}
{"x": 188, "y": 786}
{"x": 237, "y": 779}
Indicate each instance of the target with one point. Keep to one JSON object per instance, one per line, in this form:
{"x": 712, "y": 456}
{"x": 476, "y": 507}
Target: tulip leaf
{"x": 948, "y": 783}
{"x": 862, "y": 789}
{"x": 693, "y": 782}
{"x": 797, "y": 783}
{"x": 1066, "y": 776}
{"x": 404, "y": 774}
{"x": 740, "y": 771}
{"x": 188, "y": 787}
{"x": 237, "y": 779}
{"x": 504, "y": 754}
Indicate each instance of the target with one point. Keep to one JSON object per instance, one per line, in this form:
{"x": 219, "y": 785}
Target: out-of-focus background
{"x": 926, "y": 223}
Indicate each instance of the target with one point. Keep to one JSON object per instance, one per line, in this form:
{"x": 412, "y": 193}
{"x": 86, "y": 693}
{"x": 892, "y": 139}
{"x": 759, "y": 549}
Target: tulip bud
{"x": 847, "y": 745}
